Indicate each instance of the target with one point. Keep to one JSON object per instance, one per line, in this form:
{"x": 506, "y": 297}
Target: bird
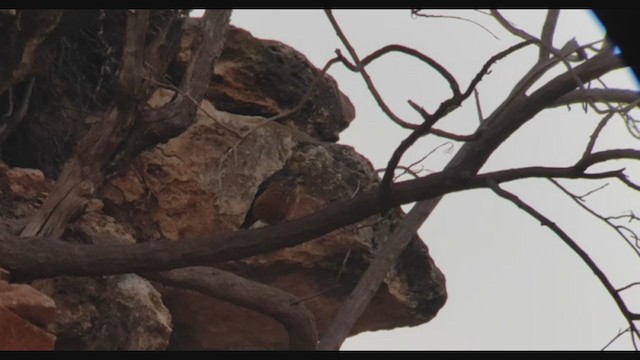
{"x": 274, "y": 200}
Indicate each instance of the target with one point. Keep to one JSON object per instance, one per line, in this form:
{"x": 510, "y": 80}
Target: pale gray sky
{"x": 512, "y": 284}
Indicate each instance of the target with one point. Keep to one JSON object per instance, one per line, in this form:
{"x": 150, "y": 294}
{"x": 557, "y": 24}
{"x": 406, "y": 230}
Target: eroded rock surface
{"x": 202, "y": 183}
{"x": 108, "y": 313}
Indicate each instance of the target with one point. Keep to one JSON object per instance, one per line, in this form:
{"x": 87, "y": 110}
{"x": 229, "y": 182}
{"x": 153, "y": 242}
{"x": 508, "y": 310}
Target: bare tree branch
{"x": 628, "y": 286}
{"x": 629, "y": 316}
{"x": 630, "y": 216}
{"x": 119, "y": 135}
{"x": 546, "y": 38}
{"x": 598, "y": 95}
{"x": 416, "y": 13}
{"x": 444, "y": 108}
{"x": 622, "y": 177}
{"x": 476, "y": 95}
{"x": 453, "y": 83}
{"x": 45, "y": 257}
{"x": 282, "y": 306}
{"x": 448, "y": 150}
{"x": 589, "y": 210}
{"x": 405, "y": 170}
{"x": 382, "y": 263}
{"x": 451, "y": 136}
{"x": 365, "y": 75}
{"x": 596, "y": 132}
{"x": 581, "y": 197}
{"x": 620, "y": 333}
{"x": 509, "y": 26}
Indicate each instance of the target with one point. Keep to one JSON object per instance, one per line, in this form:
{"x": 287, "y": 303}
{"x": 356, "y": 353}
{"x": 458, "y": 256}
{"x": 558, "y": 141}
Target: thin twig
{"x": 628, "y": 286}
{"x": 453, "y": 84}
{"x": 510, "y": 27}
{"x": 448, "y": 143}
{"x": 365, "y": 75}
{"x": 478, "y": 107}
{"x": 632, "y": 234}
{"x": 589, "y": 210}
{"x": 416, "y": 13}
{"x": 409, "y": 168}
{"x": 405, "y": 170}
{"x": 584, "y": 256}
{"x": 596, "y": 132}
{"x": 445, "y": 107}
{"x": 631, "y": 217}
{"x": 620, "y": 333}
{"x": 546, "y": 37}
{"x": 603, "y": 123}
{"x": 581, "y": 197}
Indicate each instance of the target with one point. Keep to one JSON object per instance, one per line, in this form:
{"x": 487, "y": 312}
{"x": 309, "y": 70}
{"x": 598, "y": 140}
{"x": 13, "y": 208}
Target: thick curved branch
{"x": 365, "y": 75}
{"x": 628, "y": 314}
{"x": 453, "y": 84}
{"x": 282, "y": 306}
{"x": 46, "y": 257}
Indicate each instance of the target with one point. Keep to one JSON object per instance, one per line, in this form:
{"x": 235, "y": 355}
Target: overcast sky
{"x": 512, "y": 284}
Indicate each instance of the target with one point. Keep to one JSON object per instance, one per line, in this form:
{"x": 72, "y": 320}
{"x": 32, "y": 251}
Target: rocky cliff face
{"x": 202, "y": 183}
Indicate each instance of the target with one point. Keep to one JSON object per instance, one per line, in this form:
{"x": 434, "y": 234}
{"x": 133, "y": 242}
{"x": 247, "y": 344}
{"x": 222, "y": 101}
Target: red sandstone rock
{"x": 17, "y": 333}
{"x": 28, "y": 303}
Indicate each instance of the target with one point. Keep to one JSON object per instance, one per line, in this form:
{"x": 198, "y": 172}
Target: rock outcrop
{"x": 201, "y": 183}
